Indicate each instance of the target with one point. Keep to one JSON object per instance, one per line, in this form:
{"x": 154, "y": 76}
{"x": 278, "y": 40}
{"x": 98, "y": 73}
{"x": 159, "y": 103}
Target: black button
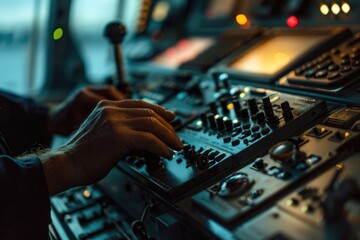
{"x": 259, "y": 165}
{"x": 227, "y": 139}
{"x": 255, "y": 136}
{"x": 213, "y": 155}
{"x": 220, "y": 157}
{"x": 265, "y": 130}
{"x": 179, "y": 160}
{"x": 293, "y": 202}
{"x": 345, "y": 69}
{"x": 260, "y": 117}
{"x": 333, "y": 67}
{"x": 324, "y": 65}
{"x": 299, "y": 71}
{"x": 246, "y": 125}
{"x": 321, "y": 74}
{"x": 236, "y": 132}
{"x": 245, "y": 134}
{"x": 333, "y": 75}
{"x": 235, "y": 142}
{"x": 255, "y": 128}
{"x": 283, "y": 175}
{"x": 236, "y": 124}
{"x": 309, "y": 73}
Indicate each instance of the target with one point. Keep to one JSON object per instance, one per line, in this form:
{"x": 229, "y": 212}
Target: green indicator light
{"x": 58, "y": 33}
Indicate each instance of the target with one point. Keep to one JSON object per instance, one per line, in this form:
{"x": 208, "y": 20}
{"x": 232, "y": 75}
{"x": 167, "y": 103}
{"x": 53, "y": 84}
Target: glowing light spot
{"x": 170, "y": 52}
{"x": 339, "y": 166}
{"x": 345, "y": 7}
{"x": 58, "y": 33}
{"x": 161, "y": 11}
{"x": 290, "y": 202}
{"x": 335, "y": 8}
{"x": 246, "y": 89}
{"x": 241, "y": 19}
{"x": 323, "y": 130}
{"x": 281, "y": 58}
{"x": 235, "y": 121}
{"x": 230, "y": 106}
{"x": 184, "y": 43}
{"x": 292, "y": 21}
{"x": 305, "y": 209}
{"x": 86, "y": 193}
{"x": 324, "y": 9}
{"x": 199, "y": 123}
{"x": 216, "y": 116}
{"x": 242, "y": 95}
{"x": 347, "y": 134}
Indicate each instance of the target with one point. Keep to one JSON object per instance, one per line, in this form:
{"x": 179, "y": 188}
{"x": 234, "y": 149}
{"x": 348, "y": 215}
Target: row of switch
{"x": 202, "y": 157}
{"x": 244, "y": 113}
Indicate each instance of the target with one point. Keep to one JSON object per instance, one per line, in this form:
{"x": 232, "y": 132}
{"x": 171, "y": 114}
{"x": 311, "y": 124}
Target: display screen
{"x": 183, "y": 51}
{"x": 275, "y": 53}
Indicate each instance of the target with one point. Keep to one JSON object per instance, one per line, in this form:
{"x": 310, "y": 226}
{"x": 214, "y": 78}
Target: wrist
{"x": 58, "y": 171}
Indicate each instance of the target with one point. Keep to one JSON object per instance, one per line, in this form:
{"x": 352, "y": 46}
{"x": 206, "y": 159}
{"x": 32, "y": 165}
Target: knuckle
{"x": 153, "y": 121}
{"x": 150, "y": 112}
{"x": 106, "y": 111}
{"x": 103, "y": 103}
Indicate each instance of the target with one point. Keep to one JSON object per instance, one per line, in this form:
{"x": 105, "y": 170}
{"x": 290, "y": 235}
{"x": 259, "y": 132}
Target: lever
{"x": 115, "y": 33}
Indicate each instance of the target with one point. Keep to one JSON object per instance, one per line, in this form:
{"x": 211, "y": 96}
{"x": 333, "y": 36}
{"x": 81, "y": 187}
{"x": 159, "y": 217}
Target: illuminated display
{"x": 275, "y": 53}
{"x": 185, "y": 50}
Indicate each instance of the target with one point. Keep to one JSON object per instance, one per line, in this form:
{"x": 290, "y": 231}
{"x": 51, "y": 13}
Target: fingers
{"x": 149, "y": 142}
{"x": 136, "y": 112}
{"x": 107, "y": 92}
{"x": 167, "y": 115}
{"x": 152, "y": 125}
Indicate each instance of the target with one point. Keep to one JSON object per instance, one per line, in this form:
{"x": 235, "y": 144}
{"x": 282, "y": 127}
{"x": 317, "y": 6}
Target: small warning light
{"x": 324, "y": 9}
{"x": 292, "y": 21}
{"x": 241, "y": 19}
{"x": 58, "y": 33}
{"x": 345, "y": 7}
{"x": 335, "y": 8}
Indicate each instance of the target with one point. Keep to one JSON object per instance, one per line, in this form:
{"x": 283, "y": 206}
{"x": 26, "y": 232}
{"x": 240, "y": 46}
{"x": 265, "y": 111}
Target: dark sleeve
{"x": 22, "y": 123}
{"x": 24, "y": 199}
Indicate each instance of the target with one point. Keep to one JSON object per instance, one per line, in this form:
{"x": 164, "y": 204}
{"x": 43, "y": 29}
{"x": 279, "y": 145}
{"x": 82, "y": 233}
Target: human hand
{"x": 112, "y": 130}
{"x": 68, "y": 115}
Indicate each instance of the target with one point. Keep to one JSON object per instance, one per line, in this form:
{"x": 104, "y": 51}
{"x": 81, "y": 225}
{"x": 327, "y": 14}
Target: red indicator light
{"x": 292, "y": 21}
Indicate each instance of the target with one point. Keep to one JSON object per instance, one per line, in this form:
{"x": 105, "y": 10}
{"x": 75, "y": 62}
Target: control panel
{"x": 287, "y": 164}
{"x": 325, "y": 208}
{"x": 89, "y": 214}
{"x": 229, "y": 135}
